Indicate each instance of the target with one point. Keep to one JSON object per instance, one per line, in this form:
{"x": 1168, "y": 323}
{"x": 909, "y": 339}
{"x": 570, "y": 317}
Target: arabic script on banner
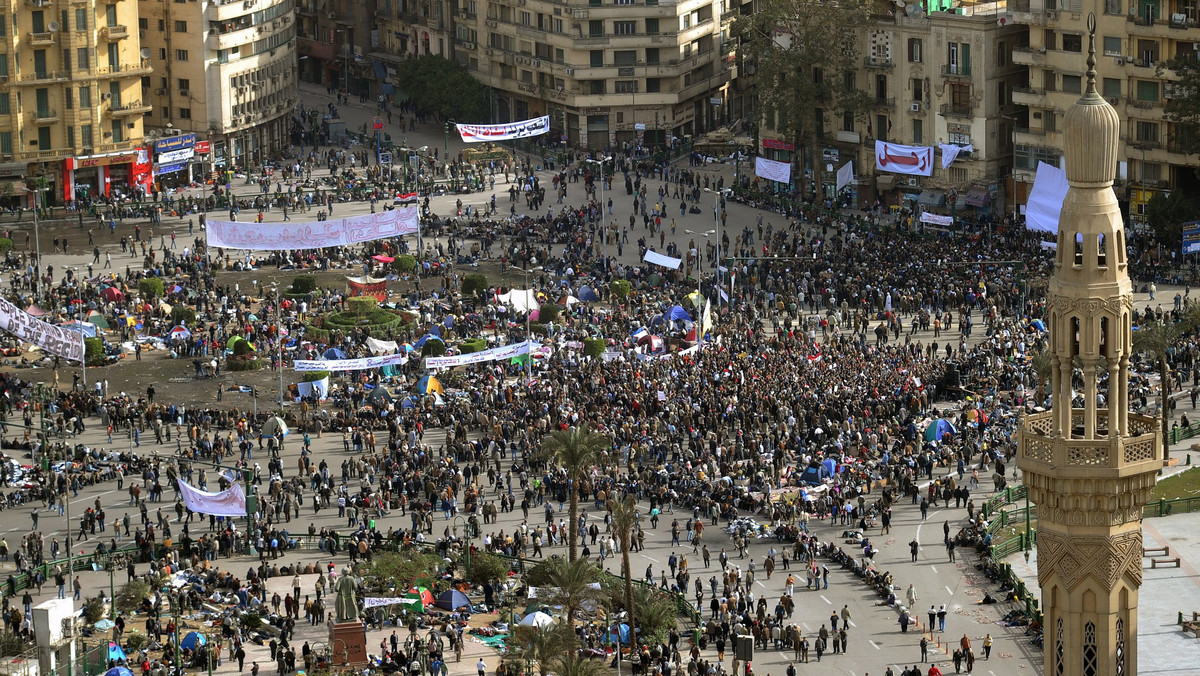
{"x": 51, "y": 338}
{"x": 900, "y": 159}
{"x": 480, "y": 133}
{"x": 403, "y": 220}
{"x": 301, "y": 365}
{"x": 494, "y": 354}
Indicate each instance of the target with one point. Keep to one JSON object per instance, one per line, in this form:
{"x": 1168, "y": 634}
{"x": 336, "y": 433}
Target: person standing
{"x": 987, "y": 647}
{"x": 924, "y": 649}
{"x": 481, "y": 667}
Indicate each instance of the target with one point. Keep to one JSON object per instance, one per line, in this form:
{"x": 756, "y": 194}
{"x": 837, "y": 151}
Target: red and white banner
{"x": 314, "y": 234}
{"x": 406, "y": 198}
{"x": 368, "y": 286}
{"x": 780, "y": 172}
{"x": 482, "y": 133}
{"x": 898, "y": 159}
{"x": 936, "y": 219}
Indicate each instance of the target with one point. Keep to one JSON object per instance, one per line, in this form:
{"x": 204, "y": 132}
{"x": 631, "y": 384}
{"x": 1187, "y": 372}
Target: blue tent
{"x": 677, "y": 312}
{"x": 587, "y": 294}
{"x": 193, "y": 640}
{"x": 118, "y": 671}
{"x": 115, "y": 653}
{"x": 1039, "y": 325}
{"x": 428, "y": 384}
{"x": 830, "y": 466}
{"x": 451, "y": 600}
{"x": 616, "y": 631}
{"x": 427, "y": 336}
{"x": 334, "y": 353}
{"x": 938, "y": 429}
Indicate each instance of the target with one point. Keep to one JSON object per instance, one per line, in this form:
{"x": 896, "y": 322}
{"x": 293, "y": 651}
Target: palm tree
{"x": 1042, "y": 363}
{"x": 1157, "y": 340}
{"x": 571, "y": 584}
{"x": 624, "y": 516}
{"x": 576, "y": 451}
{"x": 542, "y": 646}
{"x": 572, "y": 664}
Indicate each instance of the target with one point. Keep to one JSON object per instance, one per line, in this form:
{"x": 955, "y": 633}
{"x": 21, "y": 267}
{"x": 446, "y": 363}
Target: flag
{"x": 845, "y": 175}
{"x": 950, "y": 152}
{"x": 1046, "y": 198}
{"x": 706, "y": 320}
{"x": 406, "y": 198}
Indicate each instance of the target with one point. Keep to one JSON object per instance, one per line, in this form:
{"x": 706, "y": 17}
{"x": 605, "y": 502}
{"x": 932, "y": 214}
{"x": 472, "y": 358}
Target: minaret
{"x": 1090, "y": 469}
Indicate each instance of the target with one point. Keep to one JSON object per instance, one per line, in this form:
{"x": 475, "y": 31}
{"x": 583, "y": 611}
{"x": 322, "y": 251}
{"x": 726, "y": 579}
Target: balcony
{"x": 45, "y": 116}
{"x": 114, "y": 32}
{"x": 965, "y": 110}
{"x": 124, "y": 70}
{"x": 1040, "y": 450}
{"x": 1025, "y": 55}
{"x": 43, "y": 77}
{"x": 884, "y": 103}
{"x": 958, "y": 70}
{"x": 1028, "y": 96}
{"x": 41, "y": 39}
{"x": 38, "y": 4}
{"x": 1144, "y": 142}
{"x": 1144, "y": 105}
{"x": 130, "y": 109}
{"x": 878, "y": 62}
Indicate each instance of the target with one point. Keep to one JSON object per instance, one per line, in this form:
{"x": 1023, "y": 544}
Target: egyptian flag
{"x": 406, "y": 198}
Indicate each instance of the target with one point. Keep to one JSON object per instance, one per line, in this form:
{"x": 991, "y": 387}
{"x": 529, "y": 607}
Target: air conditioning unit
{"x": 160, "y": 92}
{"x": 1120, "y": 61}
{"x": 488, "y": 51}
{"x": 570, "y": 71}
{"x": 1052, "y": 16}
{"x": 491, "y": 23}
{"x": 185, "y": 93}
{"x": 914, "y": 107}
{"x": 333, "y": 15}
{"x": 106, "y": 96}
{"x": 537, "y": 63}
{"x": 912, "y": 182}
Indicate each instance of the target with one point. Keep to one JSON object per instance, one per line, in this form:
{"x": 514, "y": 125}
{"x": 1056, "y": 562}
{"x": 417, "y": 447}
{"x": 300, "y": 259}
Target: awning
{"x": 960, "y": 202}
{"x": 932, "y": 198}
{"x": 978, "y": 197}
{"x": 885, "y": 182}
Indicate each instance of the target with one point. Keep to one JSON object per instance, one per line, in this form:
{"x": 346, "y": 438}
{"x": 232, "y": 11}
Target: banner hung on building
{"x": 900, "y": 159}
{"x": 29, "y": 329}
{"x": 314, "y": 234}
{"x": 482, "y": 133}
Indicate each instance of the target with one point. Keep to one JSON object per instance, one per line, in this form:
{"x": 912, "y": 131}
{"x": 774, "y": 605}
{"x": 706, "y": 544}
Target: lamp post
{"x": 446, "y": 143}
{"x": 279, "y": 336}
{"x": 37, "y": 191}
{"x": 717, "y": 229}
{"x": 603, "y": 216}
{"x": 528, "y": 336}
{"x": 466, "y": 529}
{"x": 699, "y": 296}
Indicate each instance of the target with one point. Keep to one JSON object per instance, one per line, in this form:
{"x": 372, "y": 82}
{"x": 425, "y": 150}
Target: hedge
{"x": 433, "y": 348}
{"x": 621, "y": 288}
{"x": 242, "y": 363}
{"x": 472, "y": 345}
{"x": 405, "y": 263}
{"x": 151, "y": 287}
{"x": 6, "y": 245}
{"x": 93, "y": 352}
{"x": 547, "y": 313}
{"x": 314, "y": 376}
{"x": 361, "y": 306}
{"x": 181, "y": 314}
{"x": 304, "y": 284}
{"x": 593, "y": 347}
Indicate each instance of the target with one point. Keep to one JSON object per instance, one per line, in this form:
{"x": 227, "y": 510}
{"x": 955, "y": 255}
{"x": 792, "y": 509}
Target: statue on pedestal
{"x": 347, "y": 599}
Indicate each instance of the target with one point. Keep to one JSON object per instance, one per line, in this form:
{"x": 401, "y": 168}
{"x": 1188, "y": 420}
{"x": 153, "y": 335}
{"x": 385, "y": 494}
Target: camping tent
{"x": 587, "y": 294}
{"x": 421, "y": 594}
{"x": 938, "y": 429}
{"x": 452, "y": 599}
{"x": 677, "y": 313}
{"x": 115, "y": 652}
{"x": 616, "y": 631}
{"x": 180, "y": 333}
{"x": 193, "y": 640}
{"x": 333, "y": 353}
{"x": 520, "y": 300}
{"x": 274, "y": 425}
{"x": 112, "y": 294}
{"x": 536, "y": 619}
{"x": 118, "y": 671}
{"x": 429, "y": 384}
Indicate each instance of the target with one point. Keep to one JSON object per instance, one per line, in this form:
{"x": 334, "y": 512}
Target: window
{"x": 3, "y": 64}
{"x": 181, "y": 55}
{"x": 526, "y": 18}
{"x": 596, "y": 29}
{"x": 6, "y": 142}
{"x": 114, "y": 55}
{"x": 1027, "y": 157}
{"x": 143, "y": 23}
{"x": 185, "y": 84}
{"x": 1112, "y": 46}
{"x": 1072, "y": 42}
{"x": 1147, "y": 90}
{"x": 85, "y": 97}
{"x": 181, "y": 27}
{"x": 914, "y": 50}
{"x": 881, "y": 127}
{"x": 5, "y": 102}
{"x": 162, "y": 25}
{"x": 66, "y": 60}
{"x": 651, "y": 26}
{"x": 918, "y": 90}
{"x": 1151, "y": 171}
{"x": 1112, "y": 87}
{"x": 1002, "y": 54}
{"x": 68, "y": 100}
{"x": 110, "y": 15}
{"x": 625, "y": 27}
{"x": 185, "y": 113}
{"x": 625, "y": 57}
{"x": 1147, "y": 131}
{"x": 653, "y": 85}
{"x": 1072, "y": 84}
{"x": 81, "y": 20}
{"x": 162, "y": 54}
{"x": 847, "y": 121}
{"x": 848, "y": 82}
{"x": 1113, "y": 7}
{"x": 597, "y": 58}
{"x": 596, "y": 86}
{"x": 626, "y": 86}
{"x": 85, "y": 135}
{"x": 1002, "y": 93}
{"x": 652, "y": 57}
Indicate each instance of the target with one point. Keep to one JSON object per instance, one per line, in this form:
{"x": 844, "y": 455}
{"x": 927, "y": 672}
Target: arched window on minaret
{"x": 1119, "y": 667}
{"x": 1079, "y": 249}
{"x": 1089, "y": 649}
{"x": 1104, "y": 342}
{"x": 1101, "y": 254}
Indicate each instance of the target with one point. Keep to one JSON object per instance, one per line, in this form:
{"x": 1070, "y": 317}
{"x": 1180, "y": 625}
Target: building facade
{"x": 71, "y": 104}
{"x": 334, "y": 36}
{"x": 224, "y": 78}
{"x": 1090, "y": 468}
{"x": 1134, "y": 38}
{"x": 942, "y": 77}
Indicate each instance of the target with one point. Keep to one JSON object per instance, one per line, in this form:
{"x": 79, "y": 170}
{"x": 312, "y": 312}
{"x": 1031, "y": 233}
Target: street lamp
{"x": 528, "y": 336}
{"x": 699, "y": 296}
{"x": 717, "y": 228}
{"x": 39, "y": 183}
{"x": 603, "y": 217}
{"x": 446, "y": 145}
{"x": 279, "y": 336}
{"x": 467, "y": 529}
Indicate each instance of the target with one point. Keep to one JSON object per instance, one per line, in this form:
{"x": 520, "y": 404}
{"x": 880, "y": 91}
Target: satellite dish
{"x": 145, "y": 52}
{"x": 53, "y": 26}
{"x": 898, "y": 3}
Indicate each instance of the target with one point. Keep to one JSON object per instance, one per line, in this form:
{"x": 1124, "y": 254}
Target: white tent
{"x": 536, "y": 619}
{"x": 520, "y": 300}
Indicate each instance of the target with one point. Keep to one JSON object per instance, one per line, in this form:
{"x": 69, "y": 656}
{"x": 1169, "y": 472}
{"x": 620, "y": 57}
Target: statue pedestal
{"x": 348, "y": 643}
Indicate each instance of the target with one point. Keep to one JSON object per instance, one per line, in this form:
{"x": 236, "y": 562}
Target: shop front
{"x": 173, "y": 160}
{"x": 120, "y": 174}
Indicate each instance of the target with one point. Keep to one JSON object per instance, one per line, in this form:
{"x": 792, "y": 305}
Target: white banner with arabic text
{"x": 780, "y": 172}
{"x": 481, "y": 133}
{"x": 302, "y": 365}
{"x": 494, "y": 354}
{"x": 937, "y": 219}
{"x": 378, "y": 601}
{"x": 29, "y": 329}
{"x": 314, "y": 234}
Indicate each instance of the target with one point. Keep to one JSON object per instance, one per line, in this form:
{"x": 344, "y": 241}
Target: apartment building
{"x": 1133, "y": 38}
{"x": 939, "y": 77}
{"x": 224, "y": 83}
{"x": 334, "y": 35}
{"x": 408, "y": 28}
{"x": 71, "y": 104}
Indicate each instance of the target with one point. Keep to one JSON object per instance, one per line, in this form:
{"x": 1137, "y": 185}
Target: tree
{"x": 576, "y": 450}
{"x": 569, "y": 584}
{"x": 1166, "y": 213}
{"x": 1042, "y": 363}
{"x": 624, "y": 517}
{"x": 802, "y": 51}
{"x": 620, "y": 289}
{"x": 401, "y": 570}
{"x": 487, "y": 567}
{"x": 447, "y": 89}
{"x": 475, "y": 284}
{"x": 542, "y": 646}
{"x": 1157, "y": 340}
{"x": 573, "y": 664}
{"x": 1182, "y": 107}
{"x": 151, "y": 287}
{"x": 548, "y": 312}
{"x": 93, "y": 351}
{"x": 593, "y": 347}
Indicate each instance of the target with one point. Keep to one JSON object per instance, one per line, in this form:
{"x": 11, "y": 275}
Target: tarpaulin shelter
{"x": 333, "y": 353}
{"x": 586, "y": 294}
{"x": 193, "y": 640}
{"x": 85, "y": 328}
{"x": 382, "y": 259}
{"x": 274, "y": 425}
{"x": 180, "y": 333}
{"x": 536, "y": 619}
{"x": 938, "y": 429}
{"x": 452, "y": 599}
{"x": 520, "y": 300}
{"x": 429, "y": 384}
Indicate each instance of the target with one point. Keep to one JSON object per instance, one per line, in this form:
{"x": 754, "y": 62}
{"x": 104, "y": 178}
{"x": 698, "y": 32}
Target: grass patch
{"x": 1186, "y": 484}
